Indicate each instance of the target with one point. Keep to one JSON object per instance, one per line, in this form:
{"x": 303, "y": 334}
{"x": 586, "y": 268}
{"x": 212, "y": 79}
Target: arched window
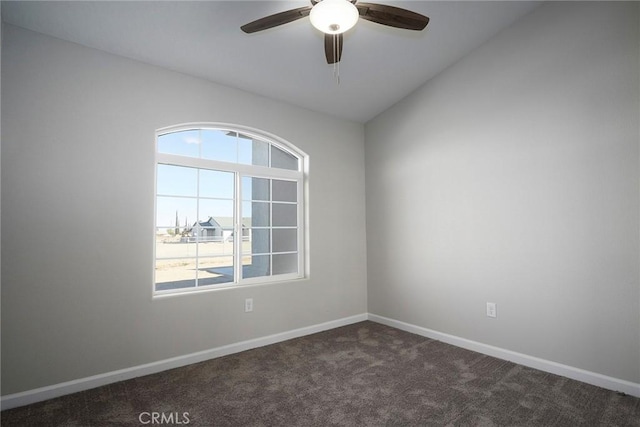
{"x": 229, "y": 206}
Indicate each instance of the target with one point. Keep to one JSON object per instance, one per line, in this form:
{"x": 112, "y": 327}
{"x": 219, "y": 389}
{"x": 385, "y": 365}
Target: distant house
{"x": 207, "y": 231}
{"x": 227, "y": 225}
{"x": 213, "y": 230}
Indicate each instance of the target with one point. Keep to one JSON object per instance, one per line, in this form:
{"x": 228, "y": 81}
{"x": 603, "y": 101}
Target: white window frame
{"x": 240, "y": 170}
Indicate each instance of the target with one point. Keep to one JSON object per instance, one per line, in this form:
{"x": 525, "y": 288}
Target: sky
{"x": 178, "y": 187}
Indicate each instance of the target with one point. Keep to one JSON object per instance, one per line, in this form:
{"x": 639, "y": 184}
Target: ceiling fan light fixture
{"x": 334, "y": 16}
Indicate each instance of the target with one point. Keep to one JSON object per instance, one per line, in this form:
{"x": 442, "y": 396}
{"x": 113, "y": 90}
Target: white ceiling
{"x": 380, "y": 65}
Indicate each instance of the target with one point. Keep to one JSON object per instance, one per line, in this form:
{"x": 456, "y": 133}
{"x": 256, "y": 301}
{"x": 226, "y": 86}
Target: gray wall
{"x": 77, "y": 192}
{"x": 513, "y": 177}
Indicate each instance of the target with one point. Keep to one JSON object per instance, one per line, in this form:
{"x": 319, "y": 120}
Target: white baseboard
{"x": 588, "y": 377}
{"x": 57, "y": 390}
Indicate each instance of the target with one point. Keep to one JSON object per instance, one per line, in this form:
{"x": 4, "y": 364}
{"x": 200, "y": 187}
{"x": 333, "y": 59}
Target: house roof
{"x": 208, "y": 223}
{"x": 225, "y": 222}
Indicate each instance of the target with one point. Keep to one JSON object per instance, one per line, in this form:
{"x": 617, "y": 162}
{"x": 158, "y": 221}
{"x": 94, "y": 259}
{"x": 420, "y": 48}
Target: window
{"x": 229, "y": 209}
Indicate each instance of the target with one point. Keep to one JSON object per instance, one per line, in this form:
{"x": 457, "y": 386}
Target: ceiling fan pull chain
{"x": 338, "y": 51}
{"x": 336, "y": 63}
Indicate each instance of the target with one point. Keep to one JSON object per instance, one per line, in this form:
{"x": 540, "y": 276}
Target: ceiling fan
{"x": 334, "y": 17}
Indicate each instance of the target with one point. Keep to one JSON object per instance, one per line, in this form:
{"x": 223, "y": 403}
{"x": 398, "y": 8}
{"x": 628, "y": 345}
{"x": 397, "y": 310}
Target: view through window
{"x": 229, "y": 209}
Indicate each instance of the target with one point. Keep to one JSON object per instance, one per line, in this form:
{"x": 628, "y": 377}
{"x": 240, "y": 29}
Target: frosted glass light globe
{"x": 334, "y": 16}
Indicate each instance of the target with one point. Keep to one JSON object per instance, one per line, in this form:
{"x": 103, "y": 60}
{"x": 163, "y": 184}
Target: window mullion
{"x": 197, "y": 225}
{"x": 237, "y": 228}
{"x": 253, "y": 170}
{"x": 300, "y": 226}
{"x": 270, "y": 225}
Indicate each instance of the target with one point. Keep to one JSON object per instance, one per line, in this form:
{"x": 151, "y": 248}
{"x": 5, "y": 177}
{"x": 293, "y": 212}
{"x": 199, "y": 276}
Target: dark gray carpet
{"x": 364, "y": 374}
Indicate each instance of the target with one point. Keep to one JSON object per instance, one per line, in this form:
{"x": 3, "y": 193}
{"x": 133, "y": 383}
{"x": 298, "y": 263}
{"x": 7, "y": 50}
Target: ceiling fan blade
{"x": 333, "y": 47}
{"x": 392, "y": 16}
{"x": 276, "y": 19}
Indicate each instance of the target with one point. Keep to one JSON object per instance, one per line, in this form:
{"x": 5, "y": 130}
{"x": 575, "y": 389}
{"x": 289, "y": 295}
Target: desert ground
{"x": 179, "y": 263}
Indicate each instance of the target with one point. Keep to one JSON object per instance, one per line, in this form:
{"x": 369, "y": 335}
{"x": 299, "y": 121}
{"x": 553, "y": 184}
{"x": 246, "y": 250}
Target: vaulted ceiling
{"x": 380, "y": 65}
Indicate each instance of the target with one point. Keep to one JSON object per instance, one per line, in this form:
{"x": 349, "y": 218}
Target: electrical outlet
{"x": 248, "y": 305}
{"x": 492, "y": 309}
